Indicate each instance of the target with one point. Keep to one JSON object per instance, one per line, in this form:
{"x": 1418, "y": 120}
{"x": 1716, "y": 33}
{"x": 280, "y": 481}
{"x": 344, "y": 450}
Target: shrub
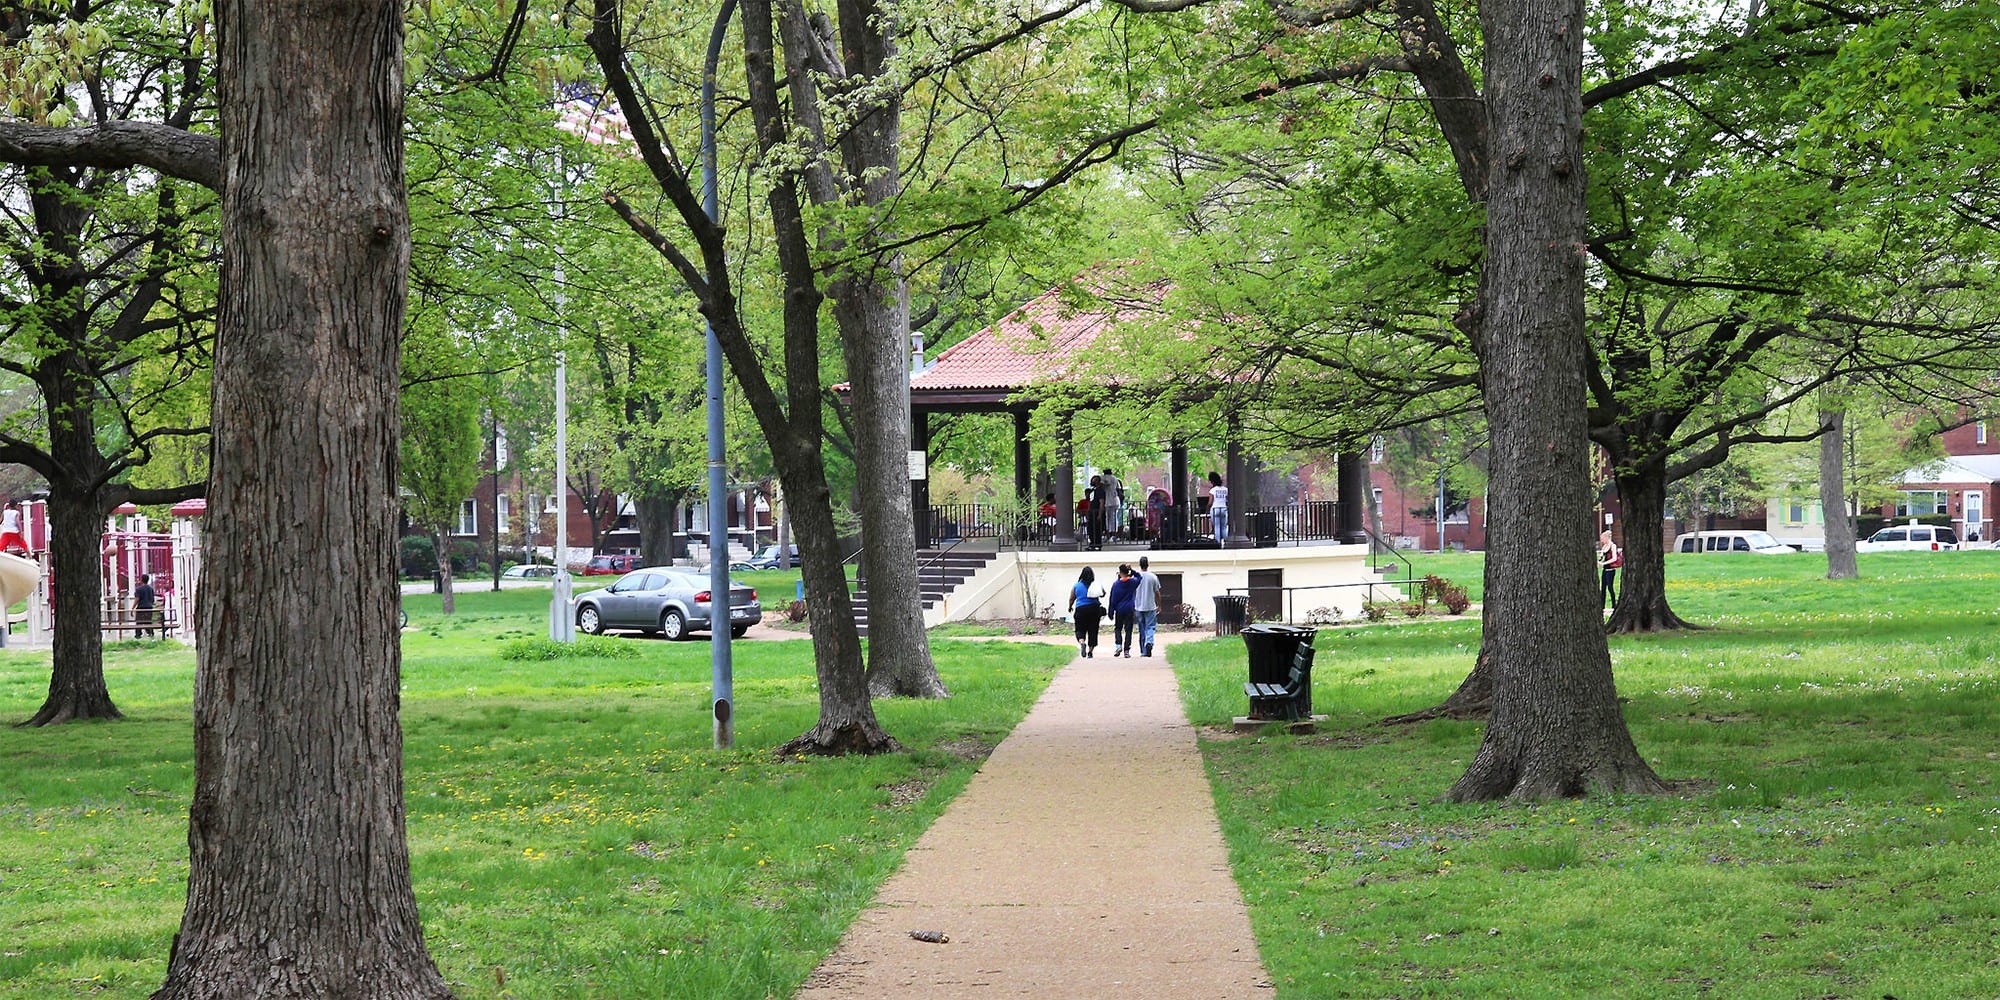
{"x": 1323, "y": 616}
{"x": 1414, "y": 609}
{"x": 795, "y": 611}
{"x": 1375, "y": 611}
{"x": 416, "y": 556}
{"x": 600, "y": 646}
{"x": 1447, "y": 593}
{"x": 1190, "y": 615}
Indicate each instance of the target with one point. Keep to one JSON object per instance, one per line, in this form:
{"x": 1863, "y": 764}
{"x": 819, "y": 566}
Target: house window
{"x": 1795, "y": 513}
{"x": 1375, "y": 451}
{"x": 1979, "y": 432}
{"x": 1917, "y": 503}
{"x": 1378, "y": 503}
{"x": 502, "y": 506}
{"x": 549, "y": 504}
{"x": 500, "y": 452}
{"x": 468, "y": 518}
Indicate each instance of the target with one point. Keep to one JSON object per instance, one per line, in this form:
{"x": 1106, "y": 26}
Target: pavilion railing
{"x": 1172, "y": 524}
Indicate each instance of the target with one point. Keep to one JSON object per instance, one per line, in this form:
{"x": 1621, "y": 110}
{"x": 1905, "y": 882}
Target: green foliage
{"x": 416, "y": 555}
{"x": 600, "y": 647}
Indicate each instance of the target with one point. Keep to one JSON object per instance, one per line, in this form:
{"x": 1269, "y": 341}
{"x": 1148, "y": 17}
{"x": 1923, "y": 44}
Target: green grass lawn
{"x": 572, "y": 833}
{"x": 1838, "y": 836}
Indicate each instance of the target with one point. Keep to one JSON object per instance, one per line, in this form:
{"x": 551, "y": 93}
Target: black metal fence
{"x": 1169, "y": 524}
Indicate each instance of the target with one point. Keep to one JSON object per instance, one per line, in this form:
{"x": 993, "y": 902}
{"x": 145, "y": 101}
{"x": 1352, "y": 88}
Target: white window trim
{"x": 468, "y": 518}
{"x": 502, "y": 507}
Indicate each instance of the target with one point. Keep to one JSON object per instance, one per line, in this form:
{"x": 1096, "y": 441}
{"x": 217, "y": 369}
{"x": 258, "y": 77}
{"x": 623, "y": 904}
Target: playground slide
{"x": 17, "y": 578}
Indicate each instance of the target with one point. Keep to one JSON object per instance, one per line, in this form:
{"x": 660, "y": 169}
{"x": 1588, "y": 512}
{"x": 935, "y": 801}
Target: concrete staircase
{"x": 942, "y": 570}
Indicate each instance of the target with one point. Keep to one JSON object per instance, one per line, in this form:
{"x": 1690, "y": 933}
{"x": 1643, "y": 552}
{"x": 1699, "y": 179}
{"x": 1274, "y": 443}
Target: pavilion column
{"x": 1023, "y": 487}
{"x": 1181, "y": 497}
{"x": 920, "y": 482}
{"x": 1064, "y": 536}
{"x": 1350, "y": 510}
{"x": 1235, "y": 479}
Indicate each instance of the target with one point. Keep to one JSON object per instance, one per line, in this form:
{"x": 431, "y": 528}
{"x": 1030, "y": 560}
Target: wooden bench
{"x": 1292, "y": 702}
{"x": 124, "y": 622}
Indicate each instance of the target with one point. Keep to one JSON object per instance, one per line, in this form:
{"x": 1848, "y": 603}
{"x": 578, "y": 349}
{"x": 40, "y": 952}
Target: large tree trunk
{"x": 1642, "y": 585}
{"x": 899, "y": 651}
{"x": 1556, "y": 728}
{"x": 871, "y": 308}
{"x": 77, "y": 688}
{"x": 847, "y": 722}
{"x": 791, "y": 423}
{"x": 656, "y": 514}
{"x": 441, "y": 547}
{"x": 299, "y": 873}
{"x": 1839, "y": 528}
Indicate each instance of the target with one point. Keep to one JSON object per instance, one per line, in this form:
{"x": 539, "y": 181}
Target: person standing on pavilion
{"x": 1114, "y": 504}
{"x": 1218, "y": 507}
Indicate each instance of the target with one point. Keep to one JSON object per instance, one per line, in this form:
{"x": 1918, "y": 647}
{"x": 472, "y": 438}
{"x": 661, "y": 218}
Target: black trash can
{"x": 1265, "y": 527}
{"x": 1230, "y": 611}
{"x": 1271, "y": 649}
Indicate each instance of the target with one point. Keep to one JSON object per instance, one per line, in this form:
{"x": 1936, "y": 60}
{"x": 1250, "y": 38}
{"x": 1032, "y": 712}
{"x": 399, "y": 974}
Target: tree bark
{"x": 656, "y": 513}
{"x": 1839, "y": 528}
{"x": 77, "y": 688}
{"x": 441, "y": 547}
{"x": 871, "y": 308}
{"x": 1642, "y": 587}
{"x": 1556, "y": 728}
{"x": 847, "y": 722}
{"x": 299, "y": 875}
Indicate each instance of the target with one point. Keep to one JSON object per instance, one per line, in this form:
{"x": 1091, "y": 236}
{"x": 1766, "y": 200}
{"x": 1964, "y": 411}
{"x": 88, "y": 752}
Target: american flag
{"x": 590, "y": 114}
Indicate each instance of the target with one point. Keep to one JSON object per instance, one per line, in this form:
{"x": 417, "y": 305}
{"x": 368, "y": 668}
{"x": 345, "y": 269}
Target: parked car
{"x": 663, "y": 600}
{"x": 611, "y": 565}
{"x": 1758, "y": 542}
{"x": 540, "y": 571}
{"x": 1911, "y": 537}
{"x": 767, "y": 557}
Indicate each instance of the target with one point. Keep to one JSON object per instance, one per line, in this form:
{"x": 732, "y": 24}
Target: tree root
{"x": 1469, "y": 711}
{"x": 840, "y": 741}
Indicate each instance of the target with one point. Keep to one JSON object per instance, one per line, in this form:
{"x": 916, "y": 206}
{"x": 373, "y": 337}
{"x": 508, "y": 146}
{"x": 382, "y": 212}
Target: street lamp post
{"x": 720, "y": 668}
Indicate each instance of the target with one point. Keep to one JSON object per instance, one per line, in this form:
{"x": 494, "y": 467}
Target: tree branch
{"x": 174, "y": 152}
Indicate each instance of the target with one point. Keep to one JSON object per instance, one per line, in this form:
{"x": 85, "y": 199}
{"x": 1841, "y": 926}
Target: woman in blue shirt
{"x": 1086, "y": 603}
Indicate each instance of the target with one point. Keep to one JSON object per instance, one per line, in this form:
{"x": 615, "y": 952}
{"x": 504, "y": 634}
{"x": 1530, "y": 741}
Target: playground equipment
{"x": 18, "y": 578}
{"x": 130, "y": 549}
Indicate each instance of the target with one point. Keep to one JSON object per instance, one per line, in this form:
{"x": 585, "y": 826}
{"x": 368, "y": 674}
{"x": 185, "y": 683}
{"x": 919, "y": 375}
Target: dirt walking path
{"x": 1084, "y": 860}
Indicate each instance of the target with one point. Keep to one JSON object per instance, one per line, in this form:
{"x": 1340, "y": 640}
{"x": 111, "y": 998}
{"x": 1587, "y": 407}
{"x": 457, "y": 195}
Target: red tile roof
{"x": 1035, "y": 344}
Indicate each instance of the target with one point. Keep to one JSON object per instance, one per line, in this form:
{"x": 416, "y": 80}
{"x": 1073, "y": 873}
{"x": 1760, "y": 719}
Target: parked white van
{"x": 1911, "y": 537}
{"x": 1759, "y": 542}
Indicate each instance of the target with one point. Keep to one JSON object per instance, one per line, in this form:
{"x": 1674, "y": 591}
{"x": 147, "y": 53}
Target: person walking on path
{"x": 1609, "y": 559}
{"x": 1146, "y": 605}
{"x": 1086, "y": 605}
{"x": 1084, "y": 860}
{"x": 1218, "y": 507}
{"x": 1123, "y": 617}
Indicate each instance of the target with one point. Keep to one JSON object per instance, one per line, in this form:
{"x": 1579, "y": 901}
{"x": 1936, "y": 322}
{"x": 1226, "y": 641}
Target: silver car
{"x": 663, "y": 600}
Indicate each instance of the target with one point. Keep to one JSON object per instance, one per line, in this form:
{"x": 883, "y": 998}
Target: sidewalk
{"x": 1084, "y": 860}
